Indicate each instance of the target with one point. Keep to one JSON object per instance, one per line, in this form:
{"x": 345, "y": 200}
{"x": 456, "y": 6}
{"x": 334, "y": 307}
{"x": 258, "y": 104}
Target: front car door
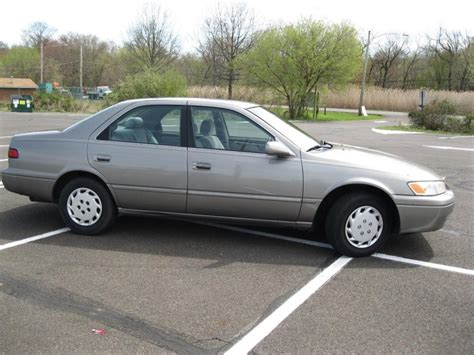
{"x": 143, "y": 156}
{"x": 229, "y": 173}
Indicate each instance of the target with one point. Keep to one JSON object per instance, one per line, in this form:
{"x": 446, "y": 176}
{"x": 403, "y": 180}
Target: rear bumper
{"x": 40, "y": 189}
{"x": 424, "y": 213}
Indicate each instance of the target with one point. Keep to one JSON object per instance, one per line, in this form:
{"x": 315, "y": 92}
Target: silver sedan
{"x": 229, "y": 161}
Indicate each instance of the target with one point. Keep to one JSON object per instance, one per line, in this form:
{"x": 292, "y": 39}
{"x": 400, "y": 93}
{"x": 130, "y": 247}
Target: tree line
{"x": 293, "y": 60}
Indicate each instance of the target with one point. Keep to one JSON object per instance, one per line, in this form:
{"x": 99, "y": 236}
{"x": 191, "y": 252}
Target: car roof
{"x": 199, "y": 101}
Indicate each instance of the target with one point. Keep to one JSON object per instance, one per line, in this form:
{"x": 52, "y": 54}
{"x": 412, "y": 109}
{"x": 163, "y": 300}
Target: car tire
{"x": 358, "y": 224}
{"x": 86, "y": 206}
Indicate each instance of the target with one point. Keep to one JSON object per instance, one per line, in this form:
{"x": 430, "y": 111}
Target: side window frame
{"x": 190, "y": 130}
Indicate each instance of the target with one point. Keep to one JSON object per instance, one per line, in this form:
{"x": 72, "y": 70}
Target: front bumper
{"x": 424, "y": 213}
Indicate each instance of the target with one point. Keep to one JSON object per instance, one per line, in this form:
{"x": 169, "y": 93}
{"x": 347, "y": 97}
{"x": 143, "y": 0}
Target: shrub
{"x": 56, "y": 102}
{"x": 149, "y": 84}
{"x": 440, "y": 116}
{"x": 53, "y": 102}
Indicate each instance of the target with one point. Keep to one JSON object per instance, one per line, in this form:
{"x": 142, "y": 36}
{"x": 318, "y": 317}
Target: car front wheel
{"x": 86, "y": 206}
{"x": 358, "y": 224}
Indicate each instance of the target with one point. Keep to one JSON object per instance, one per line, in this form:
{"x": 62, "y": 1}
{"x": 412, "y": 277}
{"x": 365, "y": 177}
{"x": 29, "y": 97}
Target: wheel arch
{"x": 71, "y": 175}
{"x": 331, "y": 198}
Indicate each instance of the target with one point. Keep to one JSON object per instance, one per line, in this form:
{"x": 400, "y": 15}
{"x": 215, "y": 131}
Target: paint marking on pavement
{"x": 388, "y": 131}
{"x": 5, "y": 137}
{"x": 32, "y": 239}
{"x": 1, "y": 185}
{"x": 448, "y": 148}
{"x": 400, "y": 259}
{"x": 266, "y": 234}
{"x": 380, "y": 121}
{"x": 455, "y": 137}
{"x": 3, "y": 160}
{"x": 4, "y": 146}
{"x": 395, "y": 258}
{"x": 261, "y": 330}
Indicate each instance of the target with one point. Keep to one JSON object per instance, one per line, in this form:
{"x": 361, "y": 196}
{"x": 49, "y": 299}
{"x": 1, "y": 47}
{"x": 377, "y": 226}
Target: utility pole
{"x": 362, "y": 86}
{"x": 80, "y": 70}
{"x": 41, "y": 59}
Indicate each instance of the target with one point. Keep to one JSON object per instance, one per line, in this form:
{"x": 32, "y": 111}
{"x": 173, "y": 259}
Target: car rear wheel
{"x": 86, "y": 206}
{"x": 358, "y": 224}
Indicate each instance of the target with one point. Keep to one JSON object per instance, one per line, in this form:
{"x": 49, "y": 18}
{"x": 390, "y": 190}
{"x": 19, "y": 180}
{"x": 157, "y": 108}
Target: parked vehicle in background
{"x": 228, "y": 161}
{"x": 98, "y": 93}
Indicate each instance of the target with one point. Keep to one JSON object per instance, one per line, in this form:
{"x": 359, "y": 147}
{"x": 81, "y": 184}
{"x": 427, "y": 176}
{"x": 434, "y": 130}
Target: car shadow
{"x": 171, "y": 237}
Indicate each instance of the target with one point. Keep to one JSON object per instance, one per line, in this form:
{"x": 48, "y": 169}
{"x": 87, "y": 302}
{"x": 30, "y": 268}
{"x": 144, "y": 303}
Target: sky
{"x": 109, "y": 19}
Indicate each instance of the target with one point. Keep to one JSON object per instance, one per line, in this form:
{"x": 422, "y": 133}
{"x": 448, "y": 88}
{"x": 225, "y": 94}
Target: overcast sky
{"x": 109, "y": 19}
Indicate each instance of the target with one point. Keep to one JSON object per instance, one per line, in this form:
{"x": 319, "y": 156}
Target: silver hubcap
{"x": 364, "y": 227}
{"x": 84, "y": 206}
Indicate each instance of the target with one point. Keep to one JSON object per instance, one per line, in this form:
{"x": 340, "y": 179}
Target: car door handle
{"x": 201, "y": 166}
{"x": 102, "y": 158}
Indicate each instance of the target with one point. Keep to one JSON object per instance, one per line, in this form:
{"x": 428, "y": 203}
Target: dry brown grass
{"x": 395, "y": 99}
{"x": 375, "y": 98}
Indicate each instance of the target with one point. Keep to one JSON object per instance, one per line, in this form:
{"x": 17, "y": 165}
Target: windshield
{"x": 290, "y": 131}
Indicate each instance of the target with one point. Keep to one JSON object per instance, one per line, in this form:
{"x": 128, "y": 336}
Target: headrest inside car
{"x": 134, "y": 122}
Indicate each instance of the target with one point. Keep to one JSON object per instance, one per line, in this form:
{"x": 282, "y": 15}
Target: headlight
{"x": 427, "y": 188}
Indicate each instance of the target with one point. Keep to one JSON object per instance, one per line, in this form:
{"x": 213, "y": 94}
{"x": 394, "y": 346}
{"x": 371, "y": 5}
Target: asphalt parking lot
{"x": 161, "y": 285}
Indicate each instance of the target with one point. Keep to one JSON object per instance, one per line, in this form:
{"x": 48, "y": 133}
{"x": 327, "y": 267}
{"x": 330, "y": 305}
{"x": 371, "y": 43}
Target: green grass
{"x": 417, "y": 129}
{"x": 329, "y": 116}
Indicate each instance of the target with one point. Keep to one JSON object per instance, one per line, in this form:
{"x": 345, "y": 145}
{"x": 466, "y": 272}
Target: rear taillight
{"x": 13, "y": 153}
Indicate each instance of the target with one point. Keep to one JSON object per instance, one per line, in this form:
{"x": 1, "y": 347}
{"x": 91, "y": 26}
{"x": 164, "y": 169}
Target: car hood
{"x": 369, "y": 159}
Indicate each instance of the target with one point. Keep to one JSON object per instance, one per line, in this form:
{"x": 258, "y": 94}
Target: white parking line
{"x": 3, "y": 160}
{"x": 4, "y": 145}
{"x": 4, "y": 137}
{"x": 32, "y": 239}
{"x": 1, "y": 185}
{"x": 448, "y": 148}
{"x": 266, "y": 234}
{"x": 399, "y": 259}
{"x": 259, "y": 332}
{"x": 388, "y": 131}
{"x": 455, "y": 137}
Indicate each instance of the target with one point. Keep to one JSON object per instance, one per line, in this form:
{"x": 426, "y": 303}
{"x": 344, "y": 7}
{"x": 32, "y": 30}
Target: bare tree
{"x": 467, "y": 63}
{"x": 386, "y": 56}
{"x": 409, "y": 66}
{"x": 447, "y": 48}
{"x": 151, "y": 38}
{"x": 227, "y": 34}
{"x": 36, "y": 33}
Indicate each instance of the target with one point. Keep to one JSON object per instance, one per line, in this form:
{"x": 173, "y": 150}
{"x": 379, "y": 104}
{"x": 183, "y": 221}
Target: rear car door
{"x": 143, "y": 157}
{"x": 229, "y": 173}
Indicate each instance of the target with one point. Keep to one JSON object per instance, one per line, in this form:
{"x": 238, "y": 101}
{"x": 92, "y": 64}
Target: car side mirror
{"x": 278, "y": 149}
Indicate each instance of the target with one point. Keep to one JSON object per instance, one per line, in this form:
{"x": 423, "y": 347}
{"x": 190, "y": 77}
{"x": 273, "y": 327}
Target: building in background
{"x": 16, "y": 86}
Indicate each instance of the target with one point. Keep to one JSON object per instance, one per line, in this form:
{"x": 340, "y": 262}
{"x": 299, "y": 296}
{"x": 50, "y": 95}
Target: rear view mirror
{"x": 278, "y": 149}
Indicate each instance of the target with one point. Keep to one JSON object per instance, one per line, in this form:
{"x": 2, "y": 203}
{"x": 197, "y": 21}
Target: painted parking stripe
{"x": 455, "y": 137}
{"x": 3, "y": 160}
{"x": 448, "y": 148}
{"x": 1, "y": 185}
{"x": 395, "y": 258}
{"x": 5, "y": 137}
{"x": 387, "y": 131}
{"x": 32, "y": 239}
{"x": 4, "y": 145}
{"x": 266, "y": 234}
{"x": 400, "y": 259}
{"x": 259, "y": 332}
